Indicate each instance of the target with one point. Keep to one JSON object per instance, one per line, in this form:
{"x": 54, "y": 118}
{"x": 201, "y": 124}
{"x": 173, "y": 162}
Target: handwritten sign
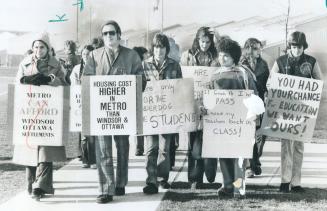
{"x": 201, "y": 76}
{"x": 226, "y": 131}
{"x": 75, "y": 116}
{"x": 112, "y": 105}
{"x": 39, "y": 115}
{"x": 168, "y": 107}
{"x": 292, "y": 107}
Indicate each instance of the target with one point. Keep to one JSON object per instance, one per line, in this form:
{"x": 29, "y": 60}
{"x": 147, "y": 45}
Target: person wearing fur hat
{"x": 202, "y": 53}
{"x": 39, "y": 68}
{"x": 231, "y": 76}
{"x": 295, "y": 63}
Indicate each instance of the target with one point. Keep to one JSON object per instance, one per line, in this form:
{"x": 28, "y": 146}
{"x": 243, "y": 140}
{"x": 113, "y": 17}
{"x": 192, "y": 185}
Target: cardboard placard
{"x": 39, "y": 115}
{"x": 292, "y": 107}
{"x": 226, "y": 131}
{"x": 201, "y": 76}
{"x": 75, "y": 114}
{"x": 111, "y": 105}
{"x": 168, "y": 107}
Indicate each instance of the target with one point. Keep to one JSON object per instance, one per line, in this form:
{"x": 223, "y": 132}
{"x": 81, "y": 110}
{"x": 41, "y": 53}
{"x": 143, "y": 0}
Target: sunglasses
{"x": 111, "y": 33}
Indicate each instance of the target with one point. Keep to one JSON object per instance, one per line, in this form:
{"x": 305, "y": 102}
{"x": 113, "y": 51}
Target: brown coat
{"x": 32, "y": 155}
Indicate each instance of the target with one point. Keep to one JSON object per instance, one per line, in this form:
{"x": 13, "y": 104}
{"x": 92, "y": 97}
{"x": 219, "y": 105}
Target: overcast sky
{"x": 33, "y": 15}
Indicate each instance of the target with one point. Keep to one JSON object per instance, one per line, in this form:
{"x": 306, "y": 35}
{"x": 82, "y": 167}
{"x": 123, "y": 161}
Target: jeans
{"x": 41, "y": 176}
{"x": 105, "y": 168}
{"x": 291, "y": 161}
{"x": 197, "y": 166}
{"x": 257, "y": 152}
{"x": 88, "y": 150}
{"x": 232, "y": 170}
{"x": 157, "y": 157}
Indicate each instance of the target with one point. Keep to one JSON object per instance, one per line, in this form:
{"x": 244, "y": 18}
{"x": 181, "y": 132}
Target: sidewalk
{"x": 76, "y": 188}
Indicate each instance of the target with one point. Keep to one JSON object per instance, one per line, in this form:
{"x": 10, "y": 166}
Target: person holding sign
{"x": 295, "y": 63}
{"x": 39, "y": 68}
{"x": 112, "y": 59}
{"x": 231, "y": 76}
{"x": 202, "y": 53}
{"x": 251, "y": 59}
{"x": 159, "y": 67}
{"x": 87, "y": 145}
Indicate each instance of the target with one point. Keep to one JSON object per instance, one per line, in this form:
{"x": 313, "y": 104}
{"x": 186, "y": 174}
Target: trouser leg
{"x": 30, "y": 177}
{"x": 91, "y": 150}
{"x": 105, "y": 168}
{"x": 163, "y": 162}
{"x": 84, "y": 150}
{"x": 286, "y": 160}
{"x": 122, "y": 144}
{"x": 172, "y": 149}
{"x": 297, "y": 163}
{"x": 140, "y": 144}
{"x": 210, "y": 168}
{"x": 227, "y": 170}
{"x": 44, "y": 177}
{"x": 151, "y": 158}
{"x": 195, "y": 163}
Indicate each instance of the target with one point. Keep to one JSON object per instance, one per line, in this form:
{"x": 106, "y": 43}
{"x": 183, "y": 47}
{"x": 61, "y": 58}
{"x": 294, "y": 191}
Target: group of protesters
{"x": 237, "y": 69}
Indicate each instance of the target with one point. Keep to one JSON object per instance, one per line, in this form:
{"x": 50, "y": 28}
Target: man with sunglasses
{"x": 112, "y": 59}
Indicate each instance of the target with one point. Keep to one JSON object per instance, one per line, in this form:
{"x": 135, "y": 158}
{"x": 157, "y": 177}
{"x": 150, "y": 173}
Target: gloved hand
{"x": 31, "y": 79}
{"x": 36, "y": 79}
{"x": 44, "y": 80}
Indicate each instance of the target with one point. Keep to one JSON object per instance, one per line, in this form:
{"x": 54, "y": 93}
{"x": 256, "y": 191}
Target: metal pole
{"x": 77, "y": 7}
{"x": 162, "y": 11}
{"x": 147, "y": 27}
{"x": 90, "y": 24}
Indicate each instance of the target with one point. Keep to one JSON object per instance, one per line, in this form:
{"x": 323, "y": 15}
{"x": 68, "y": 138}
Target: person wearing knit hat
{"x": 39, "y": 68}
{"x": 295, "y": 62}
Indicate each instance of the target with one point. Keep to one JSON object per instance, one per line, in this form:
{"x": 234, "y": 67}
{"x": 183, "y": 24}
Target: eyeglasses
{"x": 111, "y": 33}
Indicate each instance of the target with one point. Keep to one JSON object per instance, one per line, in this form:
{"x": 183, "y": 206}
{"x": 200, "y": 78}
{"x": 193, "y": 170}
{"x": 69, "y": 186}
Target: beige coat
{"x": 32, "y": 155}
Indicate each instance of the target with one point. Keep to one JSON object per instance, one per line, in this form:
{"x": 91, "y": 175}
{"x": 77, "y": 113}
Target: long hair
{"x": 248, "y": 47}
{"x": 204, "y": 32}
{"x": 89, "y": 48}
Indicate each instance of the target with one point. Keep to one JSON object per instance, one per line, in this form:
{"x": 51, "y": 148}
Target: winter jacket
{"x": 193, "y": 59}
{"x": 32, "y": 155}
{"x": 127, "y": 62}
{"x": 170, "y": 69}
{"x": 261, "y": 72}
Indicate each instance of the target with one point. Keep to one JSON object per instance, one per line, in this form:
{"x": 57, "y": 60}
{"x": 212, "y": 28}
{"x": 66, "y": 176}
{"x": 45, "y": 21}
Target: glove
{"x": 36, "y": 79}
{"x": 44, "y": 80}
{"x": 31, "y": 79}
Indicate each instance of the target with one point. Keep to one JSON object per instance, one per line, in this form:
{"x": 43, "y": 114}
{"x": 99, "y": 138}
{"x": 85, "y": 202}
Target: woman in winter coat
{"x": 202, "y": 53}
{"x": 87, "y": 144}
{"x": 251, "y": 59}
{"x": 159, "y": 67}
{"x": 39, "y": 68}
{"x": 231, "y": 76}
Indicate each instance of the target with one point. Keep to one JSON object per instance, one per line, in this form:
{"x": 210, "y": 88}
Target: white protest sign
{"x": 39, "y": 115}
{"x": 226, "y": 131}
{"x": 75, "y": 115}
{"x": 111, "y": 105}
{"x": 292, "y": 107}
{"x": 201, "y": 76}
{"x": 168, "y": 107}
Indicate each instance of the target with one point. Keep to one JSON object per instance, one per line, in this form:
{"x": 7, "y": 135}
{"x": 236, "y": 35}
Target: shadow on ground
{"x": 181, "y": 192}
